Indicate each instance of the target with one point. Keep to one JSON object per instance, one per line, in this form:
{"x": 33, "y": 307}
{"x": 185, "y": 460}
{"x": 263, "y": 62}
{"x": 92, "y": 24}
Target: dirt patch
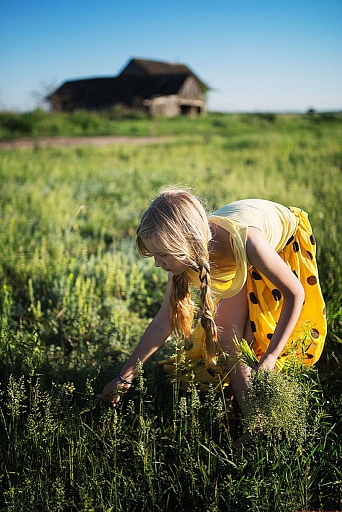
{"x": 79, "y": 141}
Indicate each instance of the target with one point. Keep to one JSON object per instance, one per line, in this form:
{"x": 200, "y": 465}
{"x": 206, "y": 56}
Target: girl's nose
{"x": 157, "y": 261}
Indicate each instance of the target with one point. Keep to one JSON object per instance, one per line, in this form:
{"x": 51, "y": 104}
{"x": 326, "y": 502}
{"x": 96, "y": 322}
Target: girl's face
{"x": 166, "y": 261}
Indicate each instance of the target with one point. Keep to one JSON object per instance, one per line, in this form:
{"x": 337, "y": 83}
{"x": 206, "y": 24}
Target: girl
{"x": 254, "y": 264}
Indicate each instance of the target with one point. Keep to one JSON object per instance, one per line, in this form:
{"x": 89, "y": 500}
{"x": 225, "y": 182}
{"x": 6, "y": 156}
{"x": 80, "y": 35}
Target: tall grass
{"x": 75, "y": 298}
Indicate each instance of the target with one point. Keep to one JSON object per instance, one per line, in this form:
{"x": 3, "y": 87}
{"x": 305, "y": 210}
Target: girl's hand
{"x": 113, "y": 391}
{"x": 266, "y": 361}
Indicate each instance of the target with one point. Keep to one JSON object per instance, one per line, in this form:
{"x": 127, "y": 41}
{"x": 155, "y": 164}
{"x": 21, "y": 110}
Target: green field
{"x": 75, "y": 298}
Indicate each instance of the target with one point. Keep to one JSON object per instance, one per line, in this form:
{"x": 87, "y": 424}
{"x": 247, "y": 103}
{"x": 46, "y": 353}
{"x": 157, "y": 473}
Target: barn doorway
{"x": 190, "y": 110}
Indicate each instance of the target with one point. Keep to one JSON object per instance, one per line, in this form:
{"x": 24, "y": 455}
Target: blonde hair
{"x": 176, "y": 222}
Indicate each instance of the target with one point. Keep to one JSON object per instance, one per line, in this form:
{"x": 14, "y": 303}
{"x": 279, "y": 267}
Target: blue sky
{"x": 256, "y": 55}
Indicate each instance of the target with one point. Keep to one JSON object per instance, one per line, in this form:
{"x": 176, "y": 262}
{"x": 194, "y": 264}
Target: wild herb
{"x": 276, "y": 402}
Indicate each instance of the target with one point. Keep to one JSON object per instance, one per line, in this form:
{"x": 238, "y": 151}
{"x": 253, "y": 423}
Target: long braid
{"x": 207, "y": 321}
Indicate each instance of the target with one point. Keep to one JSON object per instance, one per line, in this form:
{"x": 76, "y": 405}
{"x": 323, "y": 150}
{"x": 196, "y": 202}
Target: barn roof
{"x": 155, "y": 67}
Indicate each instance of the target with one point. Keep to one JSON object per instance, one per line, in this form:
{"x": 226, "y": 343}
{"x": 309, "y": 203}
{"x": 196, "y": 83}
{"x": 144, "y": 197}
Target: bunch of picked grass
{"x": 276, "y": 401}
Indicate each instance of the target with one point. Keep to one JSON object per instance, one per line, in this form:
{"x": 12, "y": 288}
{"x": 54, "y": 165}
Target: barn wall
{"x": 191, "y": 90}
{"x": 171, "y": 106}
{"x": 164, "y": 106}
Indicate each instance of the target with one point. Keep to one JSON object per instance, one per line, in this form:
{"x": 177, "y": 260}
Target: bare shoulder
{"x": 257, "y": 243}
{"x": 255, "y": 236}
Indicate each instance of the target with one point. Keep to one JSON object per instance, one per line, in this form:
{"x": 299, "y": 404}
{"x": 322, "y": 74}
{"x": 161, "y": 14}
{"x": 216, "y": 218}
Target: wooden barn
{"x": 157, "y": 88}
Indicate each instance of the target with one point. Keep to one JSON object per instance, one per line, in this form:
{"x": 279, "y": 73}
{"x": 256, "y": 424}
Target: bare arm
{"x": 264, "y": 258}
{"x": 152, "y": 339}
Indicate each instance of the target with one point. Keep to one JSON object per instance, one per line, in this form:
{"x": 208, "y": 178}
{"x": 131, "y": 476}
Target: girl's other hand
{"x": 113, "y": 391}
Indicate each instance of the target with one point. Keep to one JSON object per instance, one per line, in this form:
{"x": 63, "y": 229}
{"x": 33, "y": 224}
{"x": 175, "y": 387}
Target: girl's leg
{"x": 232, "y": 320}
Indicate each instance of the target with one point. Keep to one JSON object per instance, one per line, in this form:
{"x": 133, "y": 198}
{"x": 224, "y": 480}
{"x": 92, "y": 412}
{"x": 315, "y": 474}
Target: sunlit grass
{"x": 75, "y": 298}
